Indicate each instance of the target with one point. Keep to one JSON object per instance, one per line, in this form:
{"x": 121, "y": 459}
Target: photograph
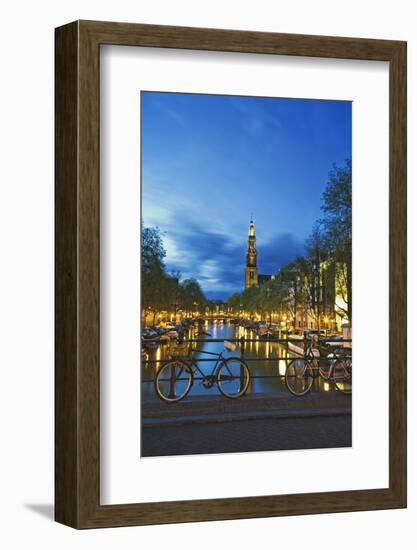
{"x": 246, "y": 273}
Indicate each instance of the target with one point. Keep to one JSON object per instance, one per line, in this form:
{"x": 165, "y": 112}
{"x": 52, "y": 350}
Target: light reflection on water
{"x": 272, "y": 371}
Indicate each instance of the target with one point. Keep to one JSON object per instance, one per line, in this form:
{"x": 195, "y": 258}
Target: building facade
{"x": 316, "y": 291}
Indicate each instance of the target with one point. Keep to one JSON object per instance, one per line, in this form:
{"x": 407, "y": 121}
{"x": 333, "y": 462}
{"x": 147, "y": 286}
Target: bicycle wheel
{"x": 173, "y": 381}
{"x": 298, "y": 377}
{"x": 233, "y": 377}
{"x": 342, "y": 375}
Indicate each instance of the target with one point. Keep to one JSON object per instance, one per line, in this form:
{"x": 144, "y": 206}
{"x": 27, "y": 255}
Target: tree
{"x": 295, "y": 280}
{"x": 316, "y": 279}
{"x": 153, "y": 251}
{"x": 320, "y": 283}
{"x": 234, "y": 302}
{"x": 337, "y": 232}
{"x": 152, "y": 270}
{"x": 191, "y": 295}
{"x": 161, "y": 290}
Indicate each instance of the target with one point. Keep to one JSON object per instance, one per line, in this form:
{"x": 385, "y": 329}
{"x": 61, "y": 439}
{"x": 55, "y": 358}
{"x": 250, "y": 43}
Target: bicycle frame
{"x": 314, "y": 363}
{"x": 215, "y": 377}
{"x": 194, "y": 362}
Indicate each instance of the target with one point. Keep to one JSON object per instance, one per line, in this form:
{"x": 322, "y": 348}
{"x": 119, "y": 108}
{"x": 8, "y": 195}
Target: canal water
{"x": 266, "y": 361}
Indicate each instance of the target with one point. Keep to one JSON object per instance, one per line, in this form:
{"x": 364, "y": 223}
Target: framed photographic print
{"x": 230, "y": 241}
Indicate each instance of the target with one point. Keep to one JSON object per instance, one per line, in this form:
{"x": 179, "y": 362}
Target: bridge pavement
{"x": 260, "y": 422}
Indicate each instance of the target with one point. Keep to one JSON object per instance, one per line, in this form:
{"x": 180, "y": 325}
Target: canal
{"x": 267, "y": 371}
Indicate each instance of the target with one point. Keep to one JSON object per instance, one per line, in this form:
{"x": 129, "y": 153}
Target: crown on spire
{"x": 251, "y": 228}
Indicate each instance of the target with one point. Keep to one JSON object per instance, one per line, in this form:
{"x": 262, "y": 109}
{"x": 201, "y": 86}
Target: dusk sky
{"x": 209, "y": 162}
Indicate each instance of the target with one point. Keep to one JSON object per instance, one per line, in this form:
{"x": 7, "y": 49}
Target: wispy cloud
{"x": 208, "y": 249}
{"x": 255, "y": 118}
{"x": 169, "y": 111}
{"x": 209, "y": 161}
{"x": 217, "y": 260}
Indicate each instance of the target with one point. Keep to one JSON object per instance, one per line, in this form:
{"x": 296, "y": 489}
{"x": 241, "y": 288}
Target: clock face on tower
{"x": 251, "y": 259}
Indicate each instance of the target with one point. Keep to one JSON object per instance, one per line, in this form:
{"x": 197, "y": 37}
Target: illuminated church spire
{"x": 251, "y": 270}
{"x": 251, "y": 229}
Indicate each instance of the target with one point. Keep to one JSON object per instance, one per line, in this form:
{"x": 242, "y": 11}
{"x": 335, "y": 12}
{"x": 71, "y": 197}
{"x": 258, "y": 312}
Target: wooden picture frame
{"x": 77, "y": 405}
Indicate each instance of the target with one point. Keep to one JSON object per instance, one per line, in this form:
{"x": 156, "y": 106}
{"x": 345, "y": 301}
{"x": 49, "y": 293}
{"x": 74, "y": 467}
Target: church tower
{"x": 251, "y": 271}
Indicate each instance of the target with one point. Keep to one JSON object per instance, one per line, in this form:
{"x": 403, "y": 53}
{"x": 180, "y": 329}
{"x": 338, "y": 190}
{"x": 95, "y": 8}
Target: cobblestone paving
{"x": 255, "y": 423}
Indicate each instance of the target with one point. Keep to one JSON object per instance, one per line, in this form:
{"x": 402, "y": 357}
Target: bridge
{"x": 268, "y": 417}
{"x": 220, "y": 317}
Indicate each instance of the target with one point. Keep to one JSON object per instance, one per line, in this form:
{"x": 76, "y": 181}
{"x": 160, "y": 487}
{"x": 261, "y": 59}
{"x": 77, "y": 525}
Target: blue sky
{"x": 209, "y": 162}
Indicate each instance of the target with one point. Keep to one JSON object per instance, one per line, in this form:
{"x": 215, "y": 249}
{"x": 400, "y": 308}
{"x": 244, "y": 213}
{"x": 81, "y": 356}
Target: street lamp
{"x": 285, "y": 321}
{"x": 326, "y": 321}
{"x": 175, "y": 304}
{"x": 149, "y": 310}
{"x": 268, "y": 292}
{"x": 296, "y": 283}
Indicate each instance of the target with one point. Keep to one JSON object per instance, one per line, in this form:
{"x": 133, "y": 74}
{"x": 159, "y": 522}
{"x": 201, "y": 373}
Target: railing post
{"x": 242, "y": 346}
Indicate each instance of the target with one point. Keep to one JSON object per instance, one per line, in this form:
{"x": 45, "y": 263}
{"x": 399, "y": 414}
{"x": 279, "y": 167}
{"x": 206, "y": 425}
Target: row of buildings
{"x": 316, "y": 302}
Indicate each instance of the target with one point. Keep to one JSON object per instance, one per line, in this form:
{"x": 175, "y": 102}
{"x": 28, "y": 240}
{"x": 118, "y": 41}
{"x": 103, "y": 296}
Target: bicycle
{"x": 175, "y": 378}
{"x": 334, "y": 367}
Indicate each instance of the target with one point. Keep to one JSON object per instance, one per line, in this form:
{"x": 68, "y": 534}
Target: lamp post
{"x": 175, "y": 304}
{"x": 326, "y": 324}
{"x": 268, "y": 292}
{"x": 296, "y": 289}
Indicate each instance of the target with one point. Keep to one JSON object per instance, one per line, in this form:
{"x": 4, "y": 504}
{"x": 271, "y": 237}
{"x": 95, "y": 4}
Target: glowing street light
{"x": 326, "y": 323}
